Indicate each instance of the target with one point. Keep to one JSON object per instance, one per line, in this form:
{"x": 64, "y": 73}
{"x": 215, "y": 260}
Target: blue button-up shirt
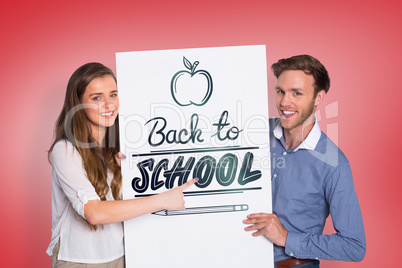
{"x": 310, "y": 182}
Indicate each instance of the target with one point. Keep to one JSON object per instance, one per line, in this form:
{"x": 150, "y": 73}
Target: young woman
{"x": 87, "y": 210}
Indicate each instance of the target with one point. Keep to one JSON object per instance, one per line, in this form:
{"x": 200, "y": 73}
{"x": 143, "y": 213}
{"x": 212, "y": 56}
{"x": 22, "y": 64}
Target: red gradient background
{"x": 43, "y": 42}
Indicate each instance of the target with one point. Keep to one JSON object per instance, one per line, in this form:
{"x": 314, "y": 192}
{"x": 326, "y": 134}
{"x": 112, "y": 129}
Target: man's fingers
{"x": 253, "y": 227}
{"x": 250, "y": 221}
{"x": 258, "y": 233}
{"x": 258, "y": 215}
{"x": 255, "y": 220}
{"x": 188, "y": 184}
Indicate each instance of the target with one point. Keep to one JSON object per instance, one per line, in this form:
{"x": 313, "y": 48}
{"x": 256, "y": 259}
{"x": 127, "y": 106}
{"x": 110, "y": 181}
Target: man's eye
{"x": 280, "y": 92}
{"x": 113, "y": 95}
{"x": 298, "y": 94}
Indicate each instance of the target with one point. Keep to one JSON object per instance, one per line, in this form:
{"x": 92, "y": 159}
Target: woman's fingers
{"x": 119, "y": 156}
{"x": 187, "y": 184}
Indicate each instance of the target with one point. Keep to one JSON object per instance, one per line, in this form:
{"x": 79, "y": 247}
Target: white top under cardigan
{"x": 71, "y": 190}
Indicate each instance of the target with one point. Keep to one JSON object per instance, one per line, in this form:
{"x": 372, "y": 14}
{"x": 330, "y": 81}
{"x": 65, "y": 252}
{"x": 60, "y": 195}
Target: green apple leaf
{"x": 187, "y": 63}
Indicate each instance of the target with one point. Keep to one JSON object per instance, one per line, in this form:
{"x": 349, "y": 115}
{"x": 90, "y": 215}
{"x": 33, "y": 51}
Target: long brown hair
{"x": 72, "y": 125}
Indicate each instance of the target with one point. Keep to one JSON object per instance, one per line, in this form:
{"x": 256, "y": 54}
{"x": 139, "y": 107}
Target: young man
{"x": 315, "y": 181}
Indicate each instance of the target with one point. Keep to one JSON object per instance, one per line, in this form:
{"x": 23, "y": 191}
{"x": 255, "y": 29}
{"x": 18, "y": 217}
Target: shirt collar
{"x": 308, "y": 143}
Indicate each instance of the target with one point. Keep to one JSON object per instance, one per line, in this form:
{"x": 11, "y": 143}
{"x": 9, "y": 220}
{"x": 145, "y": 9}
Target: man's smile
{"x": 288, "y": 113}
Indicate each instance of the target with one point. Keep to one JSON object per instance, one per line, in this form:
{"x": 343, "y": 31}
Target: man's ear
{"x": 319, "y": 98}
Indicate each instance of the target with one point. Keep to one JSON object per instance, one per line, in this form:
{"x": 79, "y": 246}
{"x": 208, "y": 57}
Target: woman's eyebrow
{"x": 96, "y": 93}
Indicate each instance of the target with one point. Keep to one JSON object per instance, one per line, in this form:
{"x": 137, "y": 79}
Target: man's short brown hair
{"x": 309, "y": 65}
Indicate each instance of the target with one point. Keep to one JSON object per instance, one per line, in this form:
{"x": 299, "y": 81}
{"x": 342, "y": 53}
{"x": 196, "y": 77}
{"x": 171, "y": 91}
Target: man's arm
{"x": 347, "y": 244}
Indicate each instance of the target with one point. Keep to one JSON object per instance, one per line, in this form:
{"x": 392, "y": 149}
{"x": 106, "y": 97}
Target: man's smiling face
{"x": 295, "y": 99}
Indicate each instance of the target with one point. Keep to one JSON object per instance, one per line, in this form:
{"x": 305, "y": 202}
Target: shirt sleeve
{"x": 71, "y": 176}
{"x": 349, "y": 242}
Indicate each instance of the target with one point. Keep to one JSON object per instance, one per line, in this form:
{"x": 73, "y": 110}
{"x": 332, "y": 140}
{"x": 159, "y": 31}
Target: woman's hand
{"x": 119, "y": 156}
{"x": 104, "y": 212}
{"x": 174, "y": 198}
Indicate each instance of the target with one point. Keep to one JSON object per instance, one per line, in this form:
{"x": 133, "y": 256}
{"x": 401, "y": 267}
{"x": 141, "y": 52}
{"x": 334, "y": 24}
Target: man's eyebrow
{"x": 297, "y": 89}
{"x": 292, "y": 89}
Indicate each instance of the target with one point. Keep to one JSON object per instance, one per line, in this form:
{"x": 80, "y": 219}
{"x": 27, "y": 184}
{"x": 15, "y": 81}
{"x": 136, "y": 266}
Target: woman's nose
{"x": 111, "y": 107}
{"x": 108, "y": 105}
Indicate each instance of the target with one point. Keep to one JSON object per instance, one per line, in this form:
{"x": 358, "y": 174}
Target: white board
{"x": 196, "y": 113}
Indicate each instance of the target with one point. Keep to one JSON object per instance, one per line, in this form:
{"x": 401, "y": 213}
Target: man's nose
{"x": 285, "y": 100}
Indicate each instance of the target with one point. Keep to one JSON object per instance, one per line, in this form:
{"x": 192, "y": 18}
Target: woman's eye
{"x": 96, "y": 98}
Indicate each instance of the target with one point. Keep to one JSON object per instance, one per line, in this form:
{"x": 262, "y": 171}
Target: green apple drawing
{"x": 191, "y": 87}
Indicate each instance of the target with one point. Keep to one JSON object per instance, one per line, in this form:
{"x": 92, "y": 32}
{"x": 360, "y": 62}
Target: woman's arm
{"x": 104, "y": 212}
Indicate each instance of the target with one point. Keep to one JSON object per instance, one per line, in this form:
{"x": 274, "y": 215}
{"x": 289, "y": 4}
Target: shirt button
{"x": 275, "y": 175}
{"x": 285, "y": 153}
{"x": 291, "y": 254}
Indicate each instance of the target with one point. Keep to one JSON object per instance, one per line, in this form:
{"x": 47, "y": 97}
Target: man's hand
{"x": 268, "y": 225}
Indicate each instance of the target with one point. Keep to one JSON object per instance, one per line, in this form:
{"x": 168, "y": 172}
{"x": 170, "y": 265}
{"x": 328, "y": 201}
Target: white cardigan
{"x": 71, "y": 190}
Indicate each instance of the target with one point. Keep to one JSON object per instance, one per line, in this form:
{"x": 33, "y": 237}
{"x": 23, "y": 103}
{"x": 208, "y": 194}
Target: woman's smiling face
{"x": 101, "y": 103}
